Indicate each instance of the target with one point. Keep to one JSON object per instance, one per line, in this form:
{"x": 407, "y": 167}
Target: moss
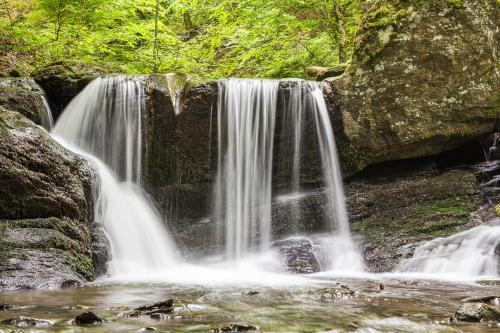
{"x": 82, "y": 264}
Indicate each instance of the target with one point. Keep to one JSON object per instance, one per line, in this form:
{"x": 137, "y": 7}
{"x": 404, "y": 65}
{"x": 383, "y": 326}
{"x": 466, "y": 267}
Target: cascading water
{"x": 246, "y": 119}
{"x": 48, "y": 120}
{"x": 104, "y": 121}
{"x": 243, "y": 191}
{"x": 470, "y": 253}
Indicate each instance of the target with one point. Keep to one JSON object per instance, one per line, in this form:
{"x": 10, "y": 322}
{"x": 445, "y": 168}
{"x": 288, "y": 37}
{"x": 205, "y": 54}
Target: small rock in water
{"x": 147, "y": 329}
{"x": 297, "y": 255}
{"x": 88, "y": 318}
{"x": 27, "y": 322}
{"x": 381, "y": 286}
{"x": 163, "y": 307}
{"x": 252, "y": 292}
{"x": 339, "y": 291}
{"x": 5, "y": 307}
{"x": 476, "y": 312}
{"x": 237, "y": 328}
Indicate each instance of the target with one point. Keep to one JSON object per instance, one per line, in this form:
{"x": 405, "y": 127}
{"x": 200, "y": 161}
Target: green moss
{"x": 82, "y": 264}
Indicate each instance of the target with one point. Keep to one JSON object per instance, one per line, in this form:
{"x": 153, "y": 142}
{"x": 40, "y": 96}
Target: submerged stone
{"x": 27, "y": 322}
{"x": 154, "y": 310}
{"x": 5, "y": 307}
{"x": 237, "y": 328}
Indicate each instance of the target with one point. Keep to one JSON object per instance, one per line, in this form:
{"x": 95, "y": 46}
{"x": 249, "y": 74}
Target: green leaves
{"x": 205, "y": 38}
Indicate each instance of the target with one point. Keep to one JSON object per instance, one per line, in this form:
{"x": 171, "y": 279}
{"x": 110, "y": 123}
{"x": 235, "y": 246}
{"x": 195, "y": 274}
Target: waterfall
{"x": 246, "y": 119}
{"x": 103, "y": 123}
{"x": 470, "y": 253}
{"x": 48, "y": 120}
{"x": 243, "y": 191}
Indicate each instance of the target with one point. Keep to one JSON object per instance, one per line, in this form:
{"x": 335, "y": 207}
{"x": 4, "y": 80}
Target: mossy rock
{"x": 424, "y": 78}
{"x": 63, "y": 80}
{"x": 46, "y": 213}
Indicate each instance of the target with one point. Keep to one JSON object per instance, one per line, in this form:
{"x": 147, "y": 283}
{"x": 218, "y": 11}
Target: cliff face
{"x": 425, "y": 78}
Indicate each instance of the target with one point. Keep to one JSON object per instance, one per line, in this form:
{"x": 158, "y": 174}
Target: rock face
{"x": 45, "y": 209}
{"x": 24, "y": 96}
{"x": 476, "y": 312}
{"x": 63, "y": 80}
{"x": 425, "y": 78}
{"x": 297, "y": 255}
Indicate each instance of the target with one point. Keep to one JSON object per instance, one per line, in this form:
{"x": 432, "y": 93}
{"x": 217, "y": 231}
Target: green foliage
{"x": 205, "y": 38}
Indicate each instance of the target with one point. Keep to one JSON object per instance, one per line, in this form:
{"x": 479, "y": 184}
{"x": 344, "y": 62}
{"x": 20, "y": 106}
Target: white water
{"x": 246, "y": 120}
{"x": 469, "y": 253}
{"x": 48, "y": 120}
{"x": 341, "y": 252}
{"x": 105, "y": 120}
{"x": 246, "y": 124}
{"x": 103, "y": 123}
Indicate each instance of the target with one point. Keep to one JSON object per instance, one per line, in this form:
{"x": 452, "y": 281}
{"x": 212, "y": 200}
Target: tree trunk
{"x": 339, "y": 19}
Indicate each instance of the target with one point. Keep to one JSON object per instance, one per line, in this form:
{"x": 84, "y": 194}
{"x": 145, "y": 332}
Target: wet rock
{"x": 159, "y": 308}
{"x": 63, "y": 80}
{"x": 251, "y": 293}
{"x": 5, "y": 307}
{"x": 237, "y": 328}
{"x": 485, "y": 299}
{"x": 27, "y": 322}
{"x": 45, "y": 208}
{"x": 424, "y": 78}
{"x": 148, "y": 329}
{"x": 71, "y": 284}
{"x": 23, "y": 95}
{"x": 336, "y": 292}
{"x": 476, "y": 312}
{"x": 87, "y": 318}
{"x": 297, "y": 255}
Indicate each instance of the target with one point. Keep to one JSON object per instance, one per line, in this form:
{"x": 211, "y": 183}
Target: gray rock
{"x": 297, "y": 255}
{"x": 476, "y": 312}
{"x": 45, "y": 208}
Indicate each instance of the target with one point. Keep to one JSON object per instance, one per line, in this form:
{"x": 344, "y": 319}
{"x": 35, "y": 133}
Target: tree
{"x": 58, "y": 11}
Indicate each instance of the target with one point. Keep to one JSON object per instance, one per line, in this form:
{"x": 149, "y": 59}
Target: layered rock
{"x": 425, "y": 78}
{"x": 45, "y": 209}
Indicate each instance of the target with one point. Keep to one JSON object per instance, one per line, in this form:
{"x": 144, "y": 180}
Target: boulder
{"x": 297, "y": 255}
{"x": 63, "y": 80}
{"x": 424, "y": 78}
{"x": 476, "y": 312}
{"x": 46, "y": 214}
{"x": 24, "y": 96}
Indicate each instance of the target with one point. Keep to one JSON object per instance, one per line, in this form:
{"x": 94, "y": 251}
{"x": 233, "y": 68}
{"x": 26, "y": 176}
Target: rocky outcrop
{"x": 425, "y": 78}
{"x": 24, "y": 96}
{"x": 63, "y": 80}
{"x": 45, "y": 209}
